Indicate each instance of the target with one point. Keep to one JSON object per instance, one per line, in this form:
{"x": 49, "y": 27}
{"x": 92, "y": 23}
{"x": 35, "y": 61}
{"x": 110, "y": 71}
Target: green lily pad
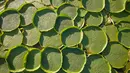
{"x": 45, "y": 19}
{"x": 92, "y": 36}
{"x": 51, "y": 60}
{"x": 93, "y": 19}
{"x": 68, "y": 9}
{"x": 127, "y": 8}
{"x": 3, "y": 66}
{"x": 123, "y": 37}
{"x": 10, "y": 20}
{"x": 116, "y": 54}
{"x": 52, "y": 36}
{"x": 38, "y": 4}
{"x": 63, "y": 22}
{"x": 115, "y": 6}
{"x": 74, "y": 60}
{"x": 96, "y": 64}
{"x": 16, "y": 58}
{"x": 27, "y": 12}
{"x": 33, "y": 60}
{"x": 31, "y": 35}
{"x": 79, "y": 22}
{"x": 46, "y": 2}
{"x": 77, "y": 3}
{"x": 82, "y": 12}
{"x": 94, "y": 5}
{"x": 123, "y": 25}
{"x": 111, "y": 32}
{"x": 57, "y": 3}
{"x": 71, "y": 36}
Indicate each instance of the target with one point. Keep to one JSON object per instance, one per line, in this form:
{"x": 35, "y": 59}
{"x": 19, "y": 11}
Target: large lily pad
{"x": 45, "y": 19}
{"x": 10, "y": 20}
{"x": 51, "y": 60}
{"x": 116, "y": 54}
{"x": 96, "y": 64}
{"x": 94, "y": 5}
{"x": 115, "y": 6}
{"x": 123, "y": 37}
{"x": 27, "y": 12}
{"x": 3, "y": 66}
{"x": 33, "y": 60}
{"x": 31, "y": 35}
{"x": 16, "y": 58}
{"x": 92, "y": 36}
{"x": 71, "y": 36}
{"x": 74, "y": 60}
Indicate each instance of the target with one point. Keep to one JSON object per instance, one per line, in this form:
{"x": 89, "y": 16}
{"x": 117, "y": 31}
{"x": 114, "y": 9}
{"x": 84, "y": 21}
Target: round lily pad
{"x": 63, "y": 22}
{"x": 16, "y": 58}
{"x": 116, "y": 54}
{"x": 123, "y": 37}
{"x": 3, "y": 66}
{"x": 92, "y": 36}
{"x": 68, "y": 10}
{"x": 94, "y": 5}
{"x": 10, "y": 20}
{"x": 33, "y": 60}
{"x": 115, "y": 6}
{"x": 31, "y": 35}
{"x": 71, "y": 36}
{"x": 74, "y": 60}
{"x": 52, "y": 36}
{"x": 45, "y": 19}
{"x": 96, "y": 64}
{"x": 57, "y": 3}
{"x": 93, "y": 19}
{"x": 51, "y": 60}
{"x": 27, "y": 12}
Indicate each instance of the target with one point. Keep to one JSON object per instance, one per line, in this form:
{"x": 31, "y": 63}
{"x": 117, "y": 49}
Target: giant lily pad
{"x": 94, "y": 5}
{"x": 51, "y": 60}
{"x": 71, "y": 36}
{"x": 31, "y": 35}
{"x": 10, "y": 20}
{"x": 116, "y": 54}
{"x": 74, "y": 60}
{"x": 115, "y": 6}
{"x": 96, "y": 64}
{"x": 123, "y": 37}
{"x": 3, "y": 66}
{"x": 44, "y": 19}
{"x": 16, "y": 58}
{"x": 92, "y": 36}
{"x": 50, "y": 39}
{"x": 33, "y": 60}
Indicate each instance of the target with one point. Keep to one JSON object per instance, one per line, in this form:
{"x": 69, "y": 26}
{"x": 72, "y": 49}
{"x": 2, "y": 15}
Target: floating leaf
{"x": 46, "y": 2}
{"x": 33, "y": 60}
{"x": 3, "y": 66}
{"x": 94, "y": 5}
{"x": 51, "y": 60}
{"x": 27, "y": 12}
{"x": 94, "y": 19}
{"x": 74, "y": 60}
{"x": 116, "y": 54}
{"x": 16, "y": 58}
{"x": 38, "y": 4}
{"x": 82, "y": 12}
{"x": 76, "y": 3}
{"x": 115, "y": 6}
{"x": 96, "y": 64}
{"x": 71, "y": 36}
{"x": 31, "y": 35}
{"x": 52, "y": 36}
{"x": 44, "y": 19}
{"x": 57, "y": 3}
{"x": 67, "y": 9}
{"x": 10, "y": 20}
{"x": 92, "y": 36}
{"x": 123, "y": 25}
{"x": 79, "y": 22}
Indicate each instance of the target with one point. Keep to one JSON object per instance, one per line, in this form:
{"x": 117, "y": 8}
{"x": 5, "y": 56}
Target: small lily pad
{"x": 71, "y": 36}
{"x": 92, "y": 36}
{"x": 116, "y": 54}
{"x": 94, "y": 5}
{"x": 10, "y": 20}
{"x": 31, "y": 35}
{"x": 96, "y": 64}
{"x": 51, "y": 60}
{"x": 16, "y": 58}
{"x": 3, "y": 66}
{"x": 74, "y": 60}
{"x": 45, "y": 19}
{"x": 33, "y": 60}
